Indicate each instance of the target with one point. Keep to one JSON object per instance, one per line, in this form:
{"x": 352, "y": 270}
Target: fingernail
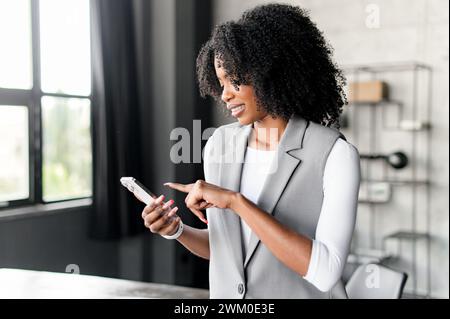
{"x": 173, "y": 211}
{"x": 166, "y": 184}
{"x": 170, "y": 202}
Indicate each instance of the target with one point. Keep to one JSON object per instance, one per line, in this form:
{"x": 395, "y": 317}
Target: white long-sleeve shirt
{"x": 341, "y": 178}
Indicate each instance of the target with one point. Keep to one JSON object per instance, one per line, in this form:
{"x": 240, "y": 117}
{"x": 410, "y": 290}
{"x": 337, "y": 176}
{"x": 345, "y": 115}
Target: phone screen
{"x": 145, "y": 188}
{"x": 138, "y": 189}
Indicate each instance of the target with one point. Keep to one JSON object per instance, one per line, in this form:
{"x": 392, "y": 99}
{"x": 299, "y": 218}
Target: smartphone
{"x": 139, "y": 190}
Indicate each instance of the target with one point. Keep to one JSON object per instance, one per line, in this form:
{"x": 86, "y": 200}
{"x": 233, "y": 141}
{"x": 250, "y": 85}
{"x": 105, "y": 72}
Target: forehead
{"x": 217, "y": 62}
{"x": 218, "y": 67}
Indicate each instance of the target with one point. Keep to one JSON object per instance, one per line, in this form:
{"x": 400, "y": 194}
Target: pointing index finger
{"x": 185, "y": 188}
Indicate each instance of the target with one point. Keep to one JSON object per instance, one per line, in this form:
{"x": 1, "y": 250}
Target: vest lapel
{"x": 230, "y": 178}
{"x": 287, "y": 160}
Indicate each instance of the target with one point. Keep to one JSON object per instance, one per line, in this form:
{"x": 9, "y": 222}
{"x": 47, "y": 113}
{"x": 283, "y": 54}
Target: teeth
{"x": 237, "y": 108}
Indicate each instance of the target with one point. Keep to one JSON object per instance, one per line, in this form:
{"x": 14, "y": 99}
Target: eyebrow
{"x": 220, "y": 79}
{"x": 226, "y": 76}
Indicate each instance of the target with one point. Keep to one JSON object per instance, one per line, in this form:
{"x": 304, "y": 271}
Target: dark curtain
{"x": 116, "y": 116}
{"x": 143, "y": 55}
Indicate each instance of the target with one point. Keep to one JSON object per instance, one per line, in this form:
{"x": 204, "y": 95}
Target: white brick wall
{"x": 410, "y": 30}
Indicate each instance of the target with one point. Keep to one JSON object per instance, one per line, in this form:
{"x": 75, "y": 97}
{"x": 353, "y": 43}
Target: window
{"x": 45, "y": 101}
{"x": 14, "y": 181}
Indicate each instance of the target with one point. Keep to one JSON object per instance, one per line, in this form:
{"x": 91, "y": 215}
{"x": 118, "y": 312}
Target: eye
{"x": 236, "y": 86}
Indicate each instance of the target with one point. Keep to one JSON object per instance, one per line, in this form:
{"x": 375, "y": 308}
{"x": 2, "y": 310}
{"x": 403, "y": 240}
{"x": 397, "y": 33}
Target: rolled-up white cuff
{"x": 177, "y": 233}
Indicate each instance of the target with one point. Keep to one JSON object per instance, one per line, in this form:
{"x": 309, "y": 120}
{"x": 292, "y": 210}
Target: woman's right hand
{"x": 161, "y": 218}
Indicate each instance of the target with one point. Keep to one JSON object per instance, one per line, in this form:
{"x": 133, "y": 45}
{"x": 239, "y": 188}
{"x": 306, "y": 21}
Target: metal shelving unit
{"x": 409, "y": 121}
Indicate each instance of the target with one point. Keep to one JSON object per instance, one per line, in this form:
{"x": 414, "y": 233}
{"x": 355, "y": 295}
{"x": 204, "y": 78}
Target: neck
{"x": 268, "y": 131}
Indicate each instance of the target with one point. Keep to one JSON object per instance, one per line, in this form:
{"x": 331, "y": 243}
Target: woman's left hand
{"x": 202, "y": 195}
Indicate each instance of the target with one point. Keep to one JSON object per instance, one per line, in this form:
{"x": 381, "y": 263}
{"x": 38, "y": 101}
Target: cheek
{"x": 251, "y": 105}
{"x": 247, "y": 95}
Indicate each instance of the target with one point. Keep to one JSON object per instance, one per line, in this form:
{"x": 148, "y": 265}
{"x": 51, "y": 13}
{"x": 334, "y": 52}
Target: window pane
{"x": 14, "y": 178}
{"x": 65, "y": 46}
{"x": 15, "y": 40}
{"x": 67, "y": 156}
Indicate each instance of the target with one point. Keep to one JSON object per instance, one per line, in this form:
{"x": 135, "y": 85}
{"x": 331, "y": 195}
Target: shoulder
{"x": 320, "y": 140}
{"x": 342, "y": 173}
{"x": 231, "y": 127}
{"x": 217, "y": 142}
{"x": 343, "y": 155}
{"x": 225, "y": 132}
{"x": 345, "y": 150}
{"x": 322, "y": 132}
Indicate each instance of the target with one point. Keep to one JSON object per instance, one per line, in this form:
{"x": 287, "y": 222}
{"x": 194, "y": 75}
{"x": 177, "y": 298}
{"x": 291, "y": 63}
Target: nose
{"x": 227, "y": 93}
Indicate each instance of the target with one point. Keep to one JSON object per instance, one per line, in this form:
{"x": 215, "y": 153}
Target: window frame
{"x": 31, "y": 98}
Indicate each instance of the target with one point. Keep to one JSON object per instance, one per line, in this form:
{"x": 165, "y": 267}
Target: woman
{"x": 281, "y": 184}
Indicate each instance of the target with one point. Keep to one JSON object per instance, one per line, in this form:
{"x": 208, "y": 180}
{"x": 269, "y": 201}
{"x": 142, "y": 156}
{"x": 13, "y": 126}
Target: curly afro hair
{"x": 281, "y": 53}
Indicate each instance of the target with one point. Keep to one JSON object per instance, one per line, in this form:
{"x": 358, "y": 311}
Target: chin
{"x": 244, "y": 120}
{"x": 247, "y": 118}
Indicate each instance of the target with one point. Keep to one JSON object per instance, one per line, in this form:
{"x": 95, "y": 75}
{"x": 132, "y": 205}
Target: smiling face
{"x": 240, "y": 100}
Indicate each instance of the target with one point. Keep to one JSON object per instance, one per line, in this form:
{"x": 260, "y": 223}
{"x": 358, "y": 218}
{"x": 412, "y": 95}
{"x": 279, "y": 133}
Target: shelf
{"x": 399, "y": 182}
{"x": 407, "y": 235}
{"x": 383, "y": 102}
{"x": 374, "y": 192}
{"x": 386, "y": 67}
{"x": 406, "y": 117}
{"x": 409, "y": 126}
{"x": 371, "y": 202}
{"x": 366, "y": 256}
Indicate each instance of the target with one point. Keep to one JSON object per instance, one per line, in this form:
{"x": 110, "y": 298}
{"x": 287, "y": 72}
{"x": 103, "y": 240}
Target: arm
{"x": 162, "y": 219}
{"x": 322, "y": 260}
{"x": 323, "y": 257}
{"x": 291, "y": 248}
{"x": 196, "y": 240}
{"x": 331, "y": 247}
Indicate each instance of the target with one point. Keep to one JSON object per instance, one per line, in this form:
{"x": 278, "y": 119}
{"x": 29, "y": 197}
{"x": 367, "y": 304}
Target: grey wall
{"x": 177, "y": 27}
{"x": 52, "y": 241}
{"x": 416, "y": 30}
{"x": 170, "y": 31}
{"x": 410, "y": 30}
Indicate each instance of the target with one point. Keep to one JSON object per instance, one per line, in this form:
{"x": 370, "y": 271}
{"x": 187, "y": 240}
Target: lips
{"x": 232, "y": 106}
{"x": 236, "y": 109}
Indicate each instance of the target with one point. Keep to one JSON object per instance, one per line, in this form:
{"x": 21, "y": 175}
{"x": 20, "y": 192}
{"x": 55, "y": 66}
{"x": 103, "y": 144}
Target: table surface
{"x": 30, "y": 284}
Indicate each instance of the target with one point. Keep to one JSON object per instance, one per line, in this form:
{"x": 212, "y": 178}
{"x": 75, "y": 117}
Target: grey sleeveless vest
{"x": 292, "y": 193}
